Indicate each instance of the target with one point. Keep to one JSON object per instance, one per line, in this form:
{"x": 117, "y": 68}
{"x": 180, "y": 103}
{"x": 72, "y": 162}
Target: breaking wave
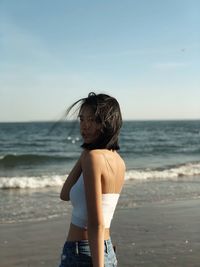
{"x": 180, "y": 172}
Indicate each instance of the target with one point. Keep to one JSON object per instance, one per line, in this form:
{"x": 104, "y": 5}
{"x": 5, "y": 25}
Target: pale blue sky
{"x": 145, "y": 53}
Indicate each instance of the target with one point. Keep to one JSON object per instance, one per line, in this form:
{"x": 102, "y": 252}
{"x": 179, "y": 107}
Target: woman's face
{"x": 89, "y": 128}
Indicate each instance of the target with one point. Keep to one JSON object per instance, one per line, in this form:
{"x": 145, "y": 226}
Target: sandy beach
{"x": 155, "y": 234}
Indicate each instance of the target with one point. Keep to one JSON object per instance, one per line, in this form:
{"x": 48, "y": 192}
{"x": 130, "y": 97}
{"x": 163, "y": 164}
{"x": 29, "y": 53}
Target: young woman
{"x": 94, "y": 184}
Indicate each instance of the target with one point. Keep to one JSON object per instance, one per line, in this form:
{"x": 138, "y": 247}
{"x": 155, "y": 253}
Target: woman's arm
{"x": 91, "y": 163}
{"x": 71, "y": 180}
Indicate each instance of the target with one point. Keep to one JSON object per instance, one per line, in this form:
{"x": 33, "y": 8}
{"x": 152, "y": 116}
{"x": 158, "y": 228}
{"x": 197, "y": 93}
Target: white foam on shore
{"x": 31, "y": 182}
{"x": 181, "y": 172}
{"x": 174, "y": 173}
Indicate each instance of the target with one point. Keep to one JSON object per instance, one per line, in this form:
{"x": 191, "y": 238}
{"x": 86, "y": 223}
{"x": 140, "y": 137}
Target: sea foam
{"x": 31, "y": 182}
{"x": 184, "y": 171}
{"x": 181, "y": 172}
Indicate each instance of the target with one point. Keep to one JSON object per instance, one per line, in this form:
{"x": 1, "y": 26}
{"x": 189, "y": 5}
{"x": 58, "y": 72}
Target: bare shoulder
{"x": 92, "y": 157}
{"x": 97, "y": 158}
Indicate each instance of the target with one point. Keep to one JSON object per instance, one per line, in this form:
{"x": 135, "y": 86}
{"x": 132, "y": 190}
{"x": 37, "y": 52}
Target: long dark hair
{"x": 107, "y": 112}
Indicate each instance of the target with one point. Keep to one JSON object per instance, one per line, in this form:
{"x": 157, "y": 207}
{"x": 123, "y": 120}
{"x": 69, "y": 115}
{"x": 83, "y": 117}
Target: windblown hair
{"x": 107, "y": 112}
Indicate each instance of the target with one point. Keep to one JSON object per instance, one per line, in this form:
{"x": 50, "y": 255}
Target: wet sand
{"x": 156, "y": 234}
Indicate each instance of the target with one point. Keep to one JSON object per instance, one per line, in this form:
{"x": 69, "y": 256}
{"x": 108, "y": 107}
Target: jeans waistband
{"x": 78, "y": 245}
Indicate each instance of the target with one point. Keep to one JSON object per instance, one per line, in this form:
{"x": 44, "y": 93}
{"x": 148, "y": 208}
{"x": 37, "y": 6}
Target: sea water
{"x": 162, "y": 159}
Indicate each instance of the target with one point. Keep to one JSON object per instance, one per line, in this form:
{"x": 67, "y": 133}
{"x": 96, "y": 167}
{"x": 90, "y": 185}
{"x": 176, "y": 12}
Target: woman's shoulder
{"x": 101, "y": 156}
{"x": 92, "y": 155}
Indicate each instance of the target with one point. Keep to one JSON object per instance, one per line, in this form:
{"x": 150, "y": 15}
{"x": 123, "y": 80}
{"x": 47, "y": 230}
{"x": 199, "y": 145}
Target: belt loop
{"x": 106, "y": 246}
{"x": 77, "y": 252}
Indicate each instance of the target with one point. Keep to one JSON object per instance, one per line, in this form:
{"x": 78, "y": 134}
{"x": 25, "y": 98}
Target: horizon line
{"x": 124, "y": 120}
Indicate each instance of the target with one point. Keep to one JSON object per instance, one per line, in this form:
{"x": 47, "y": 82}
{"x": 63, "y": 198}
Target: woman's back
{"x": 111, "y": 175}
{"x": 113, "y": 171}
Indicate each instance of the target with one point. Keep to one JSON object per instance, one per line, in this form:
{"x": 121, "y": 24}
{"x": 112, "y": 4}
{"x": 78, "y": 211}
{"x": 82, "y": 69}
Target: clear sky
{"x": 145, "y": 53}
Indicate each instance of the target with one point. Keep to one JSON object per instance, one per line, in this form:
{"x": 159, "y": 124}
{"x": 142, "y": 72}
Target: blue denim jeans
{"x": 77, "y": 254}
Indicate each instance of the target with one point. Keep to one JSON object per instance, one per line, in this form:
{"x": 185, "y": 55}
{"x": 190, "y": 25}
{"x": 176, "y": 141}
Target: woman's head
{"x": 100, "y": 121}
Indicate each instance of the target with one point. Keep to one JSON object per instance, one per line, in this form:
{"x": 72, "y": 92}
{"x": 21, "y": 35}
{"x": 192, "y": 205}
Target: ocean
{"x": 162, "y": 159}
